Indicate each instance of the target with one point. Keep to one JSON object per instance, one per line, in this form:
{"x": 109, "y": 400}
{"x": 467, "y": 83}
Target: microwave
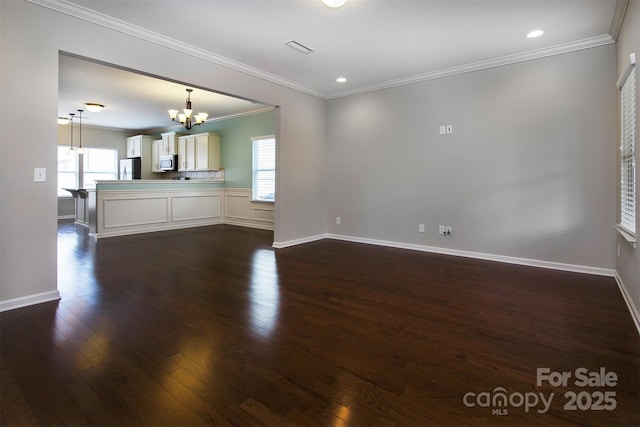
{"x": 168, "y": 162}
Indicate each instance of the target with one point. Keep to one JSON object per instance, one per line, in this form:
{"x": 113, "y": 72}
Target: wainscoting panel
{"x": 238, "y": 206}
{"x": 122, "y": 212}
{"x": 185, "y": 208}
{"x": 127, "y": 212}
{"x": 262, "y": 213}
{"x": 241, "y": 210}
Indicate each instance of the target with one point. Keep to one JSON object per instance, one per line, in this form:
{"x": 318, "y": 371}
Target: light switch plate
{"x": 443, "y": 130}
{"x": 39, "y": 174}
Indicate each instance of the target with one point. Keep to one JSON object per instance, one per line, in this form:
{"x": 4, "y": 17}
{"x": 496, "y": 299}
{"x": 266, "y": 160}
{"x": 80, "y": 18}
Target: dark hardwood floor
{"x": 211, "y": 326}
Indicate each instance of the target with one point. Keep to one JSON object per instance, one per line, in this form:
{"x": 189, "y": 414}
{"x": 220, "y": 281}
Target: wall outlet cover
{"x": 39, "y": 174}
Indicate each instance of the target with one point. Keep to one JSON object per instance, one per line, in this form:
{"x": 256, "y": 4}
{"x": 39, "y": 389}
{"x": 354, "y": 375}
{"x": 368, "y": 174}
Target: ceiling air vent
{"x": 299, "y": 47}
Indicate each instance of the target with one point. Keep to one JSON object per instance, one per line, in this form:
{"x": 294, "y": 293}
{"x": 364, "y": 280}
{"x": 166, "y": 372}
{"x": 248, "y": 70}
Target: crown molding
{"x": 88, "y": 15}
{"x": 483, "y": 65}
{"x": 618, "y": 16}
{"x": 109, "y": 22}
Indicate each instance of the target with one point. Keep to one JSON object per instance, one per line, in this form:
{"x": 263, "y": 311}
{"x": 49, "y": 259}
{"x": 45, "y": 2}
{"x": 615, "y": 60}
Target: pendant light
{"x": 185, "y": 116}
{"x": 71, "y": 121}
{"x": 80, "y": 149}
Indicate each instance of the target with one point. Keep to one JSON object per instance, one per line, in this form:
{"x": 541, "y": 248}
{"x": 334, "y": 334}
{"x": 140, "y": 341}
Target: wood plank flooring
{"x": 211, "y": 326}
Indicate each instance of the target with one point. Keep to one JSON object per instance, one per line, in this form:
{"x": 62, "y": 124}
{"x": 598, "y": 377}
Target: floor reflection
{"x": 264, "y": 293}
{"x": 75, "y": 260}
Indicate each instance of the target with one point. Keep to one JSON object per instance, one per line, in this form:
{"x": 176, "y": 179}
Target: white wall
{"x": 31, "y": 37}
{"x": 628, "y": 261}
{"x": 528, "y": 172}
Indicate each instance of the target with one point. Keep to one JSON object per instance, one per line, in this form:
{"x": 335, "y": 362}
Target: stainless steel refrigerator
{"x": 130, "y": 169}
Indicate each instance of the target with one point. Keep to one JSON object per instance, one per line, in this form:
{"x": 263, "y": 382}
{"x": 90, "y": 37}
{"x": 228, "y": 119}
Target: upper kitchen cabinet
{"x": 199, "y": 152}
{"x": 156, "y": 152}
{"x": 139, "y": 146}
{"x": 169, "y": 143}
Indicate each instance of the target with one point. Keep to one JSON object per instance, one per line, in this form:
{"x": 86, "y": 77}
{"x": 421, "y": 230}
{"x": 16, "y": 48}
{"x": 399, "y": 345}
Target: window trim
{"x": 254, "y": 141}
{"x": 628, "y": 234}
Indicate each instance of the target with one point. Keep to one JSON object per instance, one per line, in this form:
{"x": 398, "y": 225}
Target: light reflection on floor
{"x": 264, "y": 293}
{"x": 75, "y": 261}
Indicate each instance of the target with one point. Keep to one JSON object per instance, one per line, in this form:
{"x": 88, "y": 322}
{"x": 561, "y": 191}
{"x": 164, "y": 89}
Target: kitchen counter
{"x": 142, "y": 206}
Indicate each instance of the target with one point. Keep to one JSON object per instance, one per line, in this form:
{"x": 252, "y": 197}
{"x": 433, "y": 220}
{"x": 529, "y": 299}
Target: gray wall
{"x": 528, "y": 171}
{"x": 628, "y": 261}
{"x": 30, "y": 39}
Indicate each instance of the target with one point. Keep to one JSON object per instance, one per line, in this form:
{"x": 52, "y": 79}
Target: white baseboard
{"x": 174, "y": 226}
{"x": 280, "y": 245}
{"x": 66, "y": 217}
{"x": 633, "y": 310}
{"x": 29, "y": 300}
{"x": 455, "y": 252}
{"x": 479, "y": 255}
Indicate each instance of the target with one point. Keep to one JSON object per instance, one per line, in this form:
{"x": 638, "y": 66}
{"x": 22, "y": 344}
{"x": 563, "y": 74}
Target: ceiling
{"x": 372, "y": 43}
{"x": 134, "y": 101}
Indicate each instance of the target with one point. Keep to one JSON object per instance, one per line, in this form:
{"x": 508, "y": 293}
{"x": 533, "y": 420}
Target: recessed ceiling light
{"x": 334, "y": 3}
{"x": 341, "y": 79}
{"x": 535, "y": 33}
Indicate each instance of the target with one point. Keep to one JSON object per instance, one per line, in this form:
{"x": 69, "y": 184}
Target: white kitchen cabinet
{"x": 156, "y": 152}
{"x": 186, "y": 153}
{"x": 170, "y": 142}
{"x": 140, "y": 146}
{"x": 134, "y": 146}
{"x": 200, "y": 152}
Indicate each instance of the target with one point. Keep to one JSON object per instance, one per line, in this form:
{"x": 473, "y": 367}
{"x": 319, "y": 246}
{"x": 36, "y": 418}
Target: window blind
{"x": 264, "y": 168}
{"x": 627, "y": 153}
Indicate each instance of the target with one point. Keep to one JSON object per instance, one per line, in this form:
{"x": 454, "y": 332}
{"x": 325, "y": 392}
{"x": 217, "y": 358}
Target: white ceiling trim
{"x": 80, "y": 12}
{"x": 483, "y": 65}
{"x": 85, "y": 14}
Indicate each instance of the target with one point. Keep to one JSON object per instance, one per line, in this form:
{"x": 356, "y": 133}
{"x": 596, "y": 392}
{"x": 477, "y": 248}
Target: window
{"x": 264, "y": 168}
{"x": 67, "y": 170}
{"x": 99, "y": 163}
{"x": 627, "y": 85}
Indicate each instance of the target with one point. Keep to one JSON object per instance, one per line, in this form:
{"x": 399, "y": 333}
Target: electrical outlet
{"x": 444, "y": 230}
{"x": 449, "y": 129}
{"x": 421, "y": 228}
{"x": 338, "y": 220}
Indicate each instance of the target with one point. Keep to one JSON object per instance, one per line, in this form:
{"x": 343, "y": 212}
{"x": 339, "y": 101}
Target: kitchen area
{"x": 168, "y": 174}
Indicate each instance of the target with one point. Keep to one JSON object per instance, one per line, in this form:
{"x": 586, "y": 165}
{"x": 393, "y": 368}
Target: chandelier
{"x": 185, "y": 117}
